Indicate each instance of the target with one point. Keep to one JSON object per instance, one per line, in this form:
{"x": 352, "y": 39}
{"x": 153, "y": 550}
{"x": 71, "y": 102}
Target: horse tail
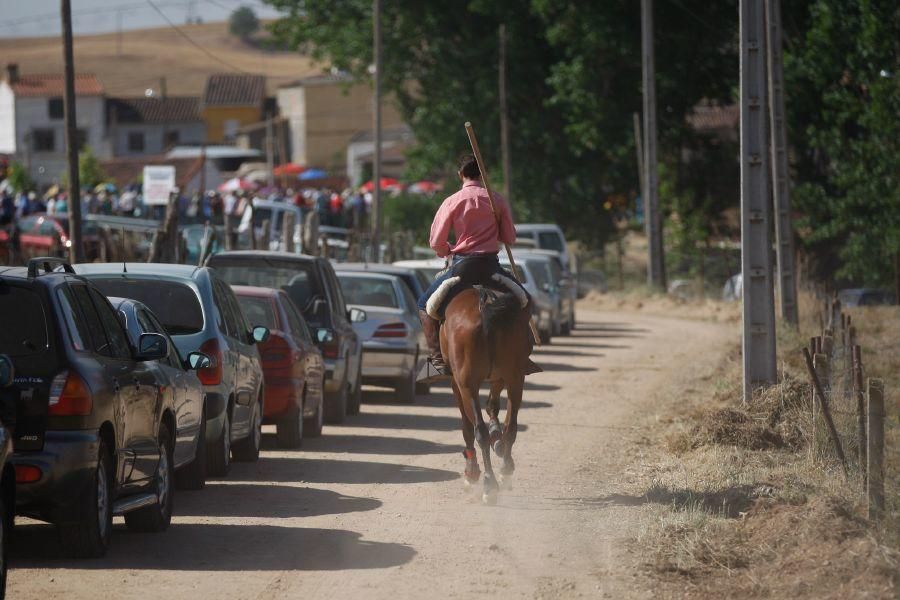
{"x": 497, "y": 313}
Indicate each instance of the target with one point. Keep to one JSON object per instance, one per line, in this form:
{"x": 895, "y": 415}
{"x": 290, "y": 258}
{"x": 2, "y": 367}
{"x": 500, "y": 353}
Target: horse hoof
{"x": 498, "y": 448}
{"x": 506, "y": 482}
{"x": 489, "y": 498}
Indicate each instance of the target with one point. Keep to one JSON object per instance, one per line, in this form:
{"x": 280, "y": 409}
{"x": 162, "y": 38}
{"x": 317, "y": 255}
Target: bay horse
{"x": 485, "y": 337}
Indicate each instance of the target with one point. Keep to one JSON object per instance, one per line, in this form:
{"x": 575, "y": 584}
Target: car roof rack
{"x": 48, "y": 263}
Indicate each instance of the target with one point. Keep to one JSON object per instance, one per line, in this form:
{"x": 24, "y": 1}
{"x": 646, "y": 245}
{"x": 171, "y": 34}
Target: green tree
{"x": 19, "y": 178}
{"x": 243, "y": 22}
{"x": 90, "y": 173}
{"x": 843, "y": 82}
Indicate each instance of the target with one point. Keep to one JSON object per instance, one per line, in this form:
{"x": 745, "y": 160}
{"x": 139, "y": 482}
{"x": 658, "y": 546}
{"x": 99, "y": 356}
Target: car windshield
{"x": 295, "y": 278}
{"x": 550, "y": 240}
{"x": 258, "y": 310}
{"x": 26, "y": 333}
{"x": 175, "y": 304}
{"x": 368, "y": 291}
{"x": 539, "y": 272}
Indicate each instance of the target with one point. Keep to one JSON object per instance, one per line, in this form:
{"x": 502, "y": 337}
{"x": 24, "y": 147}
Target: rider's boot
{"x": 433, "y": 339}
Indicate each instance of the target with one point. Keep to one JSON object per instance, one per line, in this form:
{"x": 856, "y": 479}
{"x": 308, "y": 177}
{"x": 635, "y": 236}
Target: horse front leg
{"x": 514, "y": 394}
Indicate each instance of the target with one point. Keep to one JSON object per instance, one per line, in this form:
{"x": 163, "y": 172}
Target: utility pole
{"x": 504, "y": 117}
{"x": 640, "y": 155}
{"x": 756, "y": 264}
{"x": 76, "y": 252}
{"x": 376, "y": 167}
{"x": 781, "y": 187}
{"x": 656, "y": 268}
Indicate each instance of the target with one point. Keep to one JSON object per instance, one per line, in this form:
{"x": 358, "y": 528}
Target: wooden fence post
{"x": 874, "y": 469}
{"x": 262, "y": 243}
{"x": 823, "y": 402}
{"x": 860, "y": 408}
{"x": 229, "y": 240}
{"x": 287, "y": 232}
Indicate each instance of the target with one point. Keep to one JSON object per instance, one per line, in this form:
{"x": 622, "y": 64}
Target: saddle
{"x": 473, "y": 273}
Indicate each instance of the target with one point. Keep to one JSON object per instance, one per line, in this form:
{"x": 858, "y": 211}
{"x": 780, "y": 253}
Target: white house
{"x": 32, "y": 126}
{"x": 150, "y": 126}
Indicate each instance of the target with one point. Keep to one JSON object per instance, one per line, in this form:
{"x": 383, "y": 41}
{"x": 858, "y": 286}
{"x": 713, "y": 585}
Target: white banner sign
{"x": 159, "y": 181}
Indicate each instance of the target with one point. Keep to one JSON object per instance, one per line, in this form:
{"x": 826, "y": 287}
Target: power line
{"x": 193, "y": 43}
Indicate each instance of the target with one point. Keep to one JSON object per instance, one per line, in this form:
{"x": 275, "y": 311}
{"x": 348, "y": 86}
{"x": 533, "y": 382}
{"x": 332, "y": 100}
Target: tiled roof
{"x": 322, "y": 79}
{"x": 53, "y": 84}
{"x": 234, "y": 90}
{"x": 707, "y": 117}
{"x": 171, "y": 109}
{"x": 124, "y": 171}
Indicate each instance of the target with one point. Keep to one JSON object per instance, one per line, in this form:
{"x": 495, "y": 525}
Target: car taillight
{"x": 27, "y": 474}
{"x": 211, "y": 375}
{"x": 330, "y": 349}
{"x": 69, "y": 396}
{"x": 391, "y": 330}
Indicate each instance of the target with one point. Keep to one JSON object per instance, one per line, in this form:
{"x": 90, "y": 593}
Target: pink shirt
{"x": 468, "y": 214}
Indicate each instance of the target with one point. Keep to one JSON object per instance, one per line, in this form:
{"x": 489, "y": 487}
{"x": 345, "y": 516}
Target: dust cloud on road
{"x": 377, "y": 508}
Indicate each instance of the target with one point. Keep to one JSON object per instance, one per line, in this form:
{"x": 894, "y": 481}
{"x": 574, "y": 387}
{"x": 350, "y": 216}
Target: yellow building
{"x": 230, "y": 102}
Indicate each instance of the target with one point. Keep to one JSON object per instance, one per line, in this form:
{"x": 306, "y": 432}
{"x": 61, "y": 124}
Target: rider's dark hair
{"x": 468, "y": 167}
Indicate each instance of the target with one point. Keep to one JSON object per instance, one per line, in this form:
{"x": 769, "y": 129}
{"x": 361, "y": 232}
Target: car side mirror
{"x": 7, "y": 371}
{"x": 324, "y": 335}
{"x": 198, "y": 360}
{"x": 260, "y": 334}
{"x": 357, "y": 315}
{"x": 152, "y": 346}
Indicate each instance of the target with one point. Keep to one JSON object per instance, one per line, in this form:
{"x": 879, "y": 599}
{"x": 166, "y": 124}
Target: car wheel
{"x": 336, "y": 406}
{"x": 156, "y": 517}
{"x": 289, "y": 431}
{"x": 423, "y": 389}
{"x": 193, "y": 476}
{"x": 564, "y": 329}
{"x": 218, "y": 457}
{"x": 312, "y": 427}
{"x": 355, "y": 402}
{"x": 247, "y": 450}
{"x": 406, "y": 388}
{"x": 87, "y": 534}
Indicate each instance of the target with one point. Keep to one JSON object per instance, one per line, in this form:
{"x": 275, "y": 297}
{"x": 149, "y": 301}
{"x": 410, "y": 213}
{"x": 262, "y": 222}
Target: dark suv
{"x": 93, "y": 434}
{"x": 311, "y": 284}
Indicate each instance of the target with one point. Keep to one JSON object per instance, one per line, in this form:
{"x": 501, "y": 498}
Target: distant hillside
{"x": 149, "y": 54}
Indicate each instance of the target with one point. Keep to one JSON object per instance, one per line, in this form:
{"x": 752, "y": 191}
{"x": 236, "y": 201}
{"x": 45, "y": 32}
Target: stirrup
{"x": 532, "y": 367}
{"x": 430, "y": 374}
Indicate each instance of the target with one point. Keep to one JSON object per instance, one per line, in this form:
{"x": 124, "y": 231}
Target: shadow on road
{"x": 404, "y": 421}
{"x": 267, "y": 501}
{"x": 552, "y": 366}
{"x": 321, "y": 470}
{"x": 608, "y": 328}
{"x": 216, "y": 547}
{"x": 376, "y": 444}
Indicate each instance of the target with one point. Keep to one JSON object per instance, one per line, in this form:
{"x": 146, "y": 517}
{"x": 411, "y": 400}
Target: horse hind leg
{"x": 472, "y": 472}
{"x": 514, "y": 395}
{"x": 469, "y": 396}
{"x": 495, "y": 430}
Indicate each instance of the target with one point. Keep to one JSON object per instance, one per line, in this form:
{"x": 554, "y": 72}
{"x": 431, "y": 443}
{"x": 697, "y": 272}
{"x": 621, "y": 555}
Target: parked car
{"x": 292, "y": 365}
{"x": 272, "y": 213}
{"x": 865, "y": 297}
{"x": 392, "y": 336}
{"x": 200, "y": 312}
{"x": 7, "y": 471}
{"x": 415, "y": 279}
{"x": 542, "y": 303}
{"x": 94, "y": 434}
{"x": 181, "y": 382}
{"x": 548, "y": 236}
{"x": 556, "y": 284}
{"x": 311, "y": 284}
{"x": 428, "y": 267}
{"x": 48, "y": 235}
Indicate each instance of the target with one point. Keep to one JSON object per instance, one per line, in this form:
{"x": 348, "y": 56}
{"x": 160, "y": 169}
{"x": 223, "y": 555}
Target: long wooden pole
{"x": 76, "y": 252}
{"x": 487, "y": 188}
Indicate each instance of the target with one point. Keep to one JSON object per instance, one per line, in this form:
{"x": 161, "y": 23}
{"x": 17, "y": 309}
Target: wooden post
{"x": 823, "y": 403}
{"x": 287, "y": 232}
{"x": 164, "y": 241}
{"x": 860, "y": 408}
{"x": 229, "y": 240}
{"x": 263, "y": 242}
{"x": 76, "y": 251}
{"x": 875, "y": 450}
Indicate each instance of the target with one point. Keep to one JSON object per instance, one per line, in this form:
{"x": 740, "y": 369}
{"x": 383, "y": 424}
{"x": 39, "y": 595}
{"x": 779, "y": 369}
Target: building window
{"x": 171, "y": 139}
{"x": 55, "y": 108}
{"x": 136, "y": 141}
{"x": 43, "y": 140}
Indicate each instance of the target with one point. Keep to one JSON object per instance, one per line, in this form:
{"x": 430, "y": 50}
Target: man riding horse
{"x": 472, "y": 258}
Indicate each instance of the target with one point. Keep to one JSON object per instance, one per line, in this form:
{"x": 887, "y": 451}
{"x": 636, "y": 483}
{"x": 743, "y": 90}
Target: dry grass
{"x": 757, "y": 503}
{"x": 150, "y": 54}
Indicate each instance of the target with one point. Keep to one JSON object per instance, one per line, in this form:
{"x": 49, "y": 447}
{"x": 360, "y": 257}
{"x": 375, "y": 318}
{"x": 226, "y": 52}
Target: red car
{"x": 48, "y": 235}
{"x": 292, "y": 365}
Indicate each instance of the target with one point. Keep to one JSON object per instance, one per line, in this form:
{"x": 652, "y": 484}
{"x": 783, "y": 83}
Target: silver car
{"x": 544, "y": 307}
{"x": 556, "y": 282}
{"x": 392, "y": 336}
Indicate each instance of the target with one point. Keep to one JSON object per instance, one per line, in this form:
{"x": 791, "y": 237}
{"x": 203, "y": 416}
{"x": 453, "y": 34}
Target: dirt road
{"x": 376, "y": 508}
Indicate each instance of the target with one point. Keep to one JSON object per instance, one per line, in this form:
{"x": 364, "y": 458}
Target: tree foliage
{"x": 19, "y": 178}
{"x": 243, "y": 22}
{"x": 90, "y": 173}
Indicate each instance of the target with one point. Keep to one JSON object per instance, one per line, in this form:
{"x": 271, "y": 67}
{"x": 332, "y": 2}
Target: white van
{"x": 548, "y": 236}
